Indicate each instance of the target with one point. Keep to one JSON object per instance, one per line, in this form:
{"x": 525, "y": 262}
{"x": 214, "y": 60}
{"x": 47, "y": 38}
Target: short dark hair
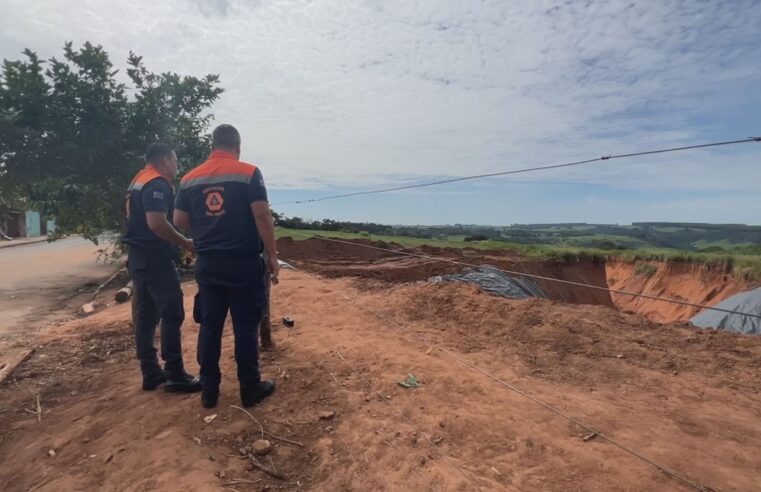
{"x": 157, "y": 150}
{"x": 225, "y": 136}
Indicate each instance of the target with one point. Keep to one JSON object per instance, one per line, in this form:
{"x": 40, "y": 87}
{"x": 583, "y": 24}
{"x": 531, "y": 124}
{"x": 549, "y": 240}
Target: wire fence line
{"x": 524, "y": 170}
{"x": 333, "y": 350}
{"x": 404, "y": 417}
{"x": 676, "y": 476}
{"x": 435, "y": 346}
{"x": 540, "y": 277}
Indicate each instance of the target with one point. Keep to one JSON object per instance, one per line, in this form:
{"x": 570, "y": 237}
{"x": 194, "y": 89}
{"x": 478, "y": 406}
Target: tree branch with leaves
{"x": 73, "y": 133}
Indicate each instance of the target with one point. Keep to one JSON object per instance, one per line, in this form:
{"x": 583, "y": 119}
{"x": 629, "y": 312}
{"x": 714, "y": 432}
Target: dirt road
{"x": 37, "y": 279}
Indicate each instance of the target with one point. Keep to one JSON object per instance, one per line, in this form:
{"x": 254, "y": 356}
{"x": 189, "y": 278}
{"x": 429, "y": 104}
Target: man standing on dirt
{"x": 223, "y": 202}
{"x": 152, "y": 263}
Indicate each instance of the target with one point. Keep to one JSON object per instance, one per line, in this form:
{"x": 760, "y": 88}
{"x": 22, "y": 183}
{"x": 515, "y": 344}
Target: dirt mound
{"x": 313, "y": 248}
{"x": 344, "y": 259}
{"x": 572, "y": 343}
{"x": 341, "y": 260}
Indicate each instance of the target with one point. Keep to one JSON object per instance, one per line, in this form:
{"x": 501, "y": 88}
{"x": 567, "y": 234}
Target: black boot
{"x": 182, "y": 383}
{"x": 209, "y": 397}
{"x": 153, "y": 380}
{"x": 251, "y": 394}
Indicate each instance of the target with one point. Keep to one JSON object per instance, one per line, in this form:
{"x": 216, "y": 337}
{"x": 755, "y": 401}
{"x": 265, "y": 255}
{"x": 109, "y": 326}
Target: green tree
{"x": 72, "y": 132}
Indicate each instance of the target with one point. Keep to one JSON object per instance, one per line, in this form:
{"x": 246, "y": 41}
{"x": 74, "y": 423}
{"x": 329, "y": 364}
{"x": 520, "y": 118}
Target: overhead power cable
{"x": 520, "y": 171}
{"x": 542, "y": 277}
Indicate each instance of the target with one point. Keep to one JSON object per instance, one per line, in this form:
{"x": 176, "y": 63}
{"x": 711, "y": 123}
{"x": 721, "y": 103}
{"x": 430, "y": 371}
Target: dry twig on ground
{"x": 38, "y": 408}
{"x": 266, "y": 433}
{"x": 258, "y": 465}
{"x": 251, "y": 417}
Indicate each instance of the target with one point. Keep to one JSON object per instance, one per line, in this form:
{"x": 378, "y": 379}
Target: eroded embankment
{"x": 691, "y": 282}
{"x": 342, "y": 259}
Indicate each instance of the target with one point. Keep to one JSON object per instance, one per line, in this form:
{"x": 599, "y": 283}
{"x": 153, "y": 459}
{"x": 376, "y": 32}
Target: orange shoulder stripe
{"x": 145, "y": 176}
{"x": 219, "y": 168}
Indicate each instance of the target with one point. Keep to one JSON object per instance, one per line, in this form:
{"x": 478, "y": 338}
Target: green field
{"x": 746, "y": 265}
{"x": 448, "y": 242}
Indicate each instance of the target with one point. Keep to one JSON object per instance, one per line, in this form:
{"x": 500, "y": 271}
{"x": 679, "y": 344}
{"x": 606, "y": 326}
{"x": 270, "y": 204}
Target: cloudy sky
{"x": 337, "y": 96}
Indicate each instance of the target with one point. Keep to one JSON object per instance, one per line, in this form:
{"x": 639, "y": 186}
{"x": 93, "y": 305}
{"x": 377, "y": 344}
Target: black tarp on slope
{"x": 745, "y": 302}
{"x": 492, "y": 280}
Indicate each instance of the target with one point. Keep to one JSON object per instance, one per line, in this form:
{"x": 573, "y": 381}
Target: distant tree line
{"x": 710, "y": 238}
{"x": 331, "y": 225}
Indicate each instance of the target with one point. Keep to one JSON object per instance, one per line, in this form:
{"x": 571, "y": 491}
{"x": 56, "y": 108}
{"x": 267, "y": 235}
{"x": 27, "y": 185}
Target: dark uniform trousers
{"x": 157, "y": 296}
{"x": 234, "y": 284}
{"x": 246, "y": 306}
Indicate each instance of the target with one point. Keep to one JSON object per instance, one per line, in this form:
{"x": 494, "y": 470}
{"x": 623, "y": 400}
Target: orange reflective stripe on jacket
{"x": 145, "y": 176}
{"x": 221, "y": 167}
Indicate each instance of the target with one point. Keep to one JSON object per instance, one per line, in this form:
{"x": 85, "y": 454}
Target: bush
{"x": 645, "y": 269}
{"x": 712, "y": 249}
{"x": 476, "y": 237}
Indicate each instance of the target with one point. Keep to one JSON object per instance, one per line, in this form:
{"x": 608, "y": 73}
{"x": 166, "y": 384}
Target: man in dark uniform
{"x": 223, "y": 202}
{"x": 152, "y": 255}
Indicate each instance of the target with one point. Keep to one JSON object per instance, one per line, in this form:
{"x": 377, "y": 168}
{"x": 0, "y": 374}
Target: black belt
{"x": 230, "y": 253}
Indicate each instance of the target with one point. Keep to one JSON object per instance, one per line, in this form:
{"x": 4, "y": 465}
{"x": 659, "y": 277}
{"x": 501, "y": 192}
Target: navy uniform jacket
{"x": 218, "y": 195}
{"x": 148, "y": 192}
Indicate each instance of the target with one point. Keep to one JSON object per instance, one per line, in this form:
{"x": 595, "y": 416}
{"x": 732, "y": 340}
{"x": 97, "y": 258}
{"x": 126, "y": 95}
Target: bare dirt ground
{"x": 685, "y": 398}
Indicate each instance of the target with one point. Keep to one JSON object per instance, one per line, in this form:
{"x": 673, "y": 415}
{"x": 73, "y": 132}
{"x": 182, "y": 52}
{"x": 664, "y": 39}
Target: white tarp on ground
{"x": 492, "y": 280}
{"x": 745, "y": 302}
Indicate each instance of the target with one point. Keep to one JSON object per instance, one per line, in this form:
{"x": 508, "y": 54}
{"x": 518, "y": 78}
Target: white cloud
{"x": 330, "y": 92}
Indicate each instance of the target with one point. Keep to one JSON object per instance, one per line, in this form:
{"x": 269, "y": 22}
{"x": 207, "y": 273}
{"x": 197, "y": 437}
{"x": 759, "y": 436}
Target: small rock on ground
{"x": 262, "y": 447}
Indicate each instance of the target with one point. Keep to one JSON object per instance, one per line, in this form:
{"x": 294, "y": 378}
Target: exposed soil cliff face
{"x": 583, "y": 272}
{"x": 690, "y": 282}
{"x": 341, "y": 259}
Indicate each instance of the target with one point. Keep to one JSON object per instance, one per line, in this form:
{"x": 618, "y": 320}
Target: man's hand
{"x": 274, "y": 268}
{"x": 266, "y": 227}
{"x": 158, "y": 223}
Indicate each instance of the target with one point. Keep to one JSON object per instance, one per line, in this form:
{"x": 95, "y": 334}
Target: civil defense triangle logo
{"x": 214, "y": 201}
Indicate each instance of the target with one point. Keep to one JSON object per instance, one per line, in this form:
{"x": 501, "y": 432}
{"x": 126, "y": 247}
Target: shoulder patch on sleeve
{"x": 159, "y": 195}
